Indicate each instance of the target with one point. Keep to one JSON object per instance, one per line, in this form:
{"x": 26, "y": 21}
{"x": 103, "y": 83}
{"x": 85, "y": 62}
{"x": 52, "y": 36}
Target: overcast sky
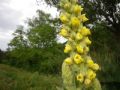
{"x": 15, "y": 12}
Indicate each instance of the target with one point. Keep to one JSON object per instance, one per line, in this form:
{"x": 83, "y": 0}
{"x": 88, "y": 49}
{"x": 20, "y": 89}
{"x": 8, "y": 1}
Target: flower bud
{"x": 91, "y": 75}
{"x": 77, "y": 9}
{"x": 63, "y": 32}
{"x": 63, "y": 18}
{"x": 83, "y": 18}
{"x": 85, "y": 31}
{"x": 79, "y": 49}
{"x": 95, "y": 67}
{"x": 79, "y": 36}
{"x": 68, "y": 61}
{"x": 68, "y": 48}
{"x": 87, "y": 82}
{"x": 87, "y": 41}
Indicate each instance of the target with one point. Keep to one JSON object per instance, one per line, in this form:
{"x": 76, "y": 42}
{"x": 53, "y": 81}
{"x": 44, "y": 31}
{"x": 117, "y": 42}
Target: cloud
{"x": 14, "y": 12}
{"x": 5, "y": 37}
{"x": 8, "y": 16}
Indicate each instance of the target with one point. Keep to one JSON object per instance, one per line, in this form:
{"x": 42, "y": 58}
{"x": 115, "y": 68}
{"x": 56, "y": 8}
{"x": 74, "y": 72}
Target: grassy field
{"x": 17, "y": 79}
{"x": 12, "y": 78}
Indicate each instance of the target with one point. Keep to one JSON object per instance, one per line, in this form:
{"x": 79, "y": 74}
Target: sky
{"x": 15, "y": 12}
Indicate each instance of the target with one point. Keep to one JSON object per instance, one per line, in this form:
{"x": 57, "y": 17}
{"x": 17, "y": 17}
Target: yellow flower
{"x": 90, "y": 63}
{"x": 63, "y": 18}
{"x": 88, "y": 42}
{"x": 79, "y": 48}
{"x": 95, "y": 67}
{"x": 78, "y": 59}
{"x": 91, "y": 75}
{"x": 79, "y": 36}
{"x": 63, "y": 32}
{"x": 86, "y": 49}
{"x": 68, "y": 48}
{"x": 75, "y": 22}
{"x": 68, "y": 61}
{"x": 83, "y": 18}
{"x": 80, "y": 77}
{"x": 87, "y": 81}
{"x": 85, "y": 31}
{"x": 77, "y": 9}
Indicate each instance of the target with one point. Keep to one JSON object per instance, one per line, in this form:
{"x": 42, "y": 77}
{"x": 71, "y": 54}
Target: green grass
{"x": 17, "y": 79}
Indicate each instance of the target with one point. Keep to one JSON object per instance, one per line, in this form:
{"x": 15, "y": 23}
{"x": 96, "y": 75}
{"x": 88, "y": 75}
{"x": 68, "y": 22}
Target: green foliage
{"x": 102, "y": 38}
{"x": 16, "y": 79}
{"x": 18, "y": 41}
{"x": 44, "y": 60}
{"x": 42, "y": 36}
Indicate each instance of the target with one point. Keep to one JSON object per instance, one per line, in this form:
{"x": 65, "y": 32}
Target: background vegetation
{"x": 35, "y": 50}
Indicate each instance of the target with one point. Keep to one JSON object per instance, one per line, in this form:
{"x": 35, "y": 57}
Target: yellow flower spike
{"x": 63, "y": 32}
{"x": 63, "y": 18}
{"x": 80, "y": 77}
{"x": 83, "y": 18}
{"x": 85, "y": 31}
{"x": 91, "y": 75}
{"x": 68, "y": 61}
{"x": 79, "y": 49}
{"x": 78, "y": 59}
{"x": 68, "y": 48}
{"x": 87, "y": 81}
{"x": 75, "y": 22}
{"x": 77, "y": 9}
{"x": 90, "y": 63}
{"x": 95, "y": 67}
{"x": 79, "y": 36}
{"x": 77, "y": 46}
{"x": 87, "y": 41}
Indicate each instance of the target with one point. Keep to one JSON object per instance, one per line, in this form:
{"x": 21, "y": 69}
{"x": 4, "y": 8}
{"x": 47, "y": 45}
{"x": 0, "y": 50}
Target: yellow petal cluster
{"x": 77, "y": 9}
{"x": 68, "y": 48}
{"x": 63, "y": 18}
{"x": 87, "y": 41}
{"x": 68, "y": 61}
{"x": 78, "y": 59}
{"x": 90, "y": 63}
{"x": 85, "y": 31}
{"x": 63, "y": 32}
{"x": 91, "y": 75}
{"x": 83, "y": 18}
{"x": 86, "y": 49}
{"x": 79, "y": 49}
{"x": 75, "y": 22}
{"x": 87, "y": 81}
{"x": 79, "y": 36}
{"x": 80, "y": 77}
{"x": 93, "y": 65}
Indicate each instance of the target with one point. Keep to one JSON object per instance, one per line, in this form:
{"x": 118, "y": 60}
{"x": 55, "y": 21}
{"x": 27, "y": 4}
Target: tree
{"x": 19, "y": 40}
{"x": 35, "y": 47}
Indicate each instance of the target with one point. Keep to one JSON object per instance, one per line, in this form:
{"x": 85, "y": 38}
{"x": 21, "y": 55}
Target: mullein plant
{"x": 78, "y": 70}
